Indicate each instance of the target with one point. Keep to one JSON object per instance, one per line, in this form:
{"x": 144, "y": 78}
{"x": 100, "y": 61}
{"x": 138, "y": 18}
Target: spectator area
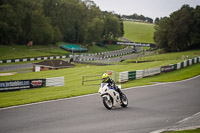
{"x": 73, "y": 48}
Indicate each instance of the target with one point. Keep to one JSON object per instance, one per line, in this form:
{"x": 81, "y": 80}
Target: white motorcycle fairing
{"x": 109, "y": 93}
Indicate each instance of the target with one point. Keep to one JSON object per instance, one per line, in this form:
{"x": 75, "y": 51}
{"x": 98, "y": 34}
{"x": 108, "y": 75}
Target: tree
{"x": 49, "y": 21}
{"x": 157, "y": 21}
{"x": 8, "y": 26}
{"x": 57, "y": 35}
{"x": 180, "y": 26}
{"x": 160, "y": 35}
{"x": 195, "y": 34}
{"x": 95, "y": 31}
{"x": 41, "y": 30}
{"x": 180, "y": 31}
{"x": 111, "y": 27}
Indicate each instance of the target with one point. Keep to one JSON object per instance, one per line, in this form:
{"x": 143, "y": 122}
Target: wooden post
{"x": 82, "y": 80}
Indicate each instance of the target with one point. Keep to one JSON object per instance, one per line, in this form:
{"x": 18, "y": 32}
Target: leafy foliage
{"x": 50, "y": 21}
{"x": 180, "y": 31}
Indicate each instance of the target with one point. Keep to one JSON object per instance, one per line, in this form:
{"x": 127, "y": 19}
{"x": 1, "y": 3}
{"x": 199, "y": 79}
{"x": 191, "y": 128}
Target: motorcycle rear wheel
{"x": 124, "y": 100}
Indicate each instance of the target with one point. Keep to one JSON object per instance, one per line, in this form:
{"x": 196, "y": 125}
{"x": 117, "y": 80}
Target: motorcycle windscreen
{"x": 103, "y": 84}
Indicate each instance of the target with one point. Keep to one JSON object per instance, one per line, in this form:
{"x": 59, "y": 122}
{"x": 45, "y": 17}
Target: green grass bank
{"x": 139, "y": 32}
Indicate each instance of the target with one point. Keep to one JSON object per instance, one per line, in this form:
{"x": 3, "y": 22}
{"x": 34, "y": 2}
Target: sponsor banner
{"x": 131, "y": 75}
{"x": 14, "y": 85}
{"x": 167, "y": 68}
{"x": 131, "y": 43}
{"x": 35, "y": 83}
{"x": 21, "y": 84}
{"x": 152, "y": 71}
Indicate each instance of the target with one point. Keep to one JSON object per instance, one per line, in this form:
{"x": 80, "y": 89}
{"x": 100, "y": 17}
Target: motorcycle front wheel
{"x": 124, "y": 100}
{"x": 107, "y": 103}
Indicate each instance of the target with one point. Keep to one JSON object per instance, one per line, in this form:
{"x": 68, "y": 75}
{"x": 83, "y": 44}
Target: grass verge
{"x": 186, "y": 131}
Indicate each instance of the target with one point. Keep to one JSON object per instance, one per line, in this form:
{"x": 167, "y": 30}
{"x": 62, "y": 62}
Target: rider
{"x": 107, "y": 79}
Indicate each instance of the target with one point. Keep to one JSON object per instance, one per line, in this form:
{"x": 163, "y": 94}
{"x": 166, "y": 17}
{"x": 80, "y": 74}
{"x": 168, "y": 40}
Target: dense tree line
{"x": 138, "y": 17}
{"x": 50, "y": 21}
{"x": 180, "y": 31}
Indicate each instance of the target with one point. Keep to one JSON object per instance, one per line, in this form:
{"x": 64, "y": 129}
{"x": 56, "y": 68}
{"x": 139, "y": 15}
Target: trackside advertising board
{"x": 167, "y": 68}
{"x": 21, "y": 84}
{"x": 151, "y": 71}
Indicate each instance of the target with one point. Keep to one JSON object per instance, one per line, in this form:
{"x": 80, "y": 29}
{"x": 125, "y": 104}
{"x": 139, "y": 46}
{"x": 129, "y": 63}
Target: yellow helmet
{"x": 105, "y": 77}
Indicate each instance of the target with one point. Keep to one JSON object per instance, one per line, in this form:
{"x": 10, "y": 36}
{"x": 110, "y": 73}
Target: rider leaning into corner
{"x": 107, "y": 79}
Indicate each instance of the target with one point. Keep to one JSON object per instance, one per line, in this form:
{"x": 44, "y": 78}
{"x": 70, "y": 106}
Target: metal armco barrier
{"x": 178, "y": 66}
{"x": 198, "y": 59}
{"x": 123, "y": 77}
{"x": 185, "y": 63}
{"x": 32, "y": 59}
{"x": 131, "y": 75}
{"x": 139, "y": 74}
{"x": 182, "y": 64}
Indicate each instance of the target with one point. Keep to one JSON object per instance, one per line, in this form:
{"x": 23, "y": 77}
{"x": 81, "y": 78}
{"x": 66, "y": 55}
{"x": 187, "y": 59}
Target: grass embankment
{"x": 186, "y": 131}
{"x": 22, "y": 51}
{"x": 73, "y": 81}
{"x": 139, "y": 32}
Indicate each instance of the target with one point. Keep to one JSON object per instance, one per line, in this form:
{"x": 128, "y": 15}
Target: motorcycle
{"x": 111, "y": 97}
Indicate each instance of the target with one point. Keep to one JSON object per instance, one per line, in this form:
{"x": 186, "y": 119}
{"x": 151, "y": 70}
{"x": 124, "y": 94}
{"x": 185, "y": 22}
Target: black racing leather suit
{"x": 112, "y": 83}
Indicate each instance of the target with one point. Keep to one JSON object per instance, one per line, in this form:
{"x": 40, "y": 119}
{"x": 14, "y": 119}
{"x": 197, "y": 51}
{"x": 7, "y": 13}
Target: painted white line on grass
{"x": 24, "y": 105}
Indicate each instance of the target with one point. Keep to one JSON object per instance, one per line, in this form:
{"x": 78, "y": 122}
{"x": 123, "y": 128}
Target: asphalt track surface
{"x": 15, "y": 67}
{"x": 150, "y": 108}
